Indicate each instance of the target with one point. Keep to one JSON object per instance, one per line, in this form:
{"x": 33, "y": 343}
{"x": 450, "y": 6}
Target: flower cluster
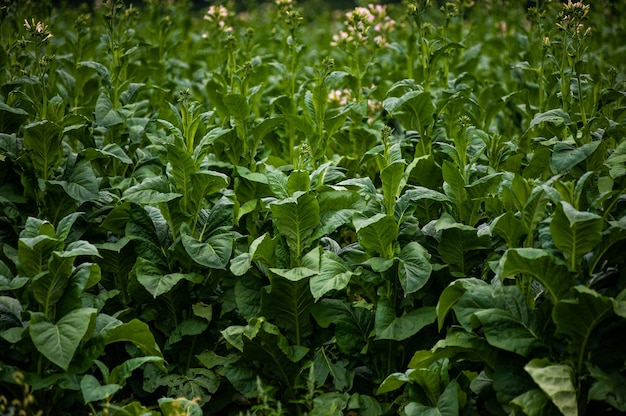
{"x": 363, "y": 23}
{"x": 572, "y": 17}
{"x": 38, "y": 31}
{"x": 217, "y": 17}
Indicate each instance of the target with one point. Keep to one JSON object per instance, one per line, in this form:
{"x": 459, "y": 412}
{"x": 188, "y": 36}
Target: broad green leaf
{"x": 390, "y": 326}
{"x": 296, "y": 217}
{"x": 151, "y": 233}
{"x": 575, "y": 232}
{"x": 49, "y": 286}
{"x": 556, "y": 117}
{"x": 510, "y": 227}
{"x": 512, "y": 330}
{"x": 447, "y": 404}
{"x": 111, "y": 150}
{"x": 138, "y": 333}
{"x": 576, "y": 319}
{"x": 608, "y": 387}
{"x": 377, "y": 233}
{"x": 294, "y": 274}
{"x": 391, "y": 176}
{"x": 393, "y": 382}
{"x": 183, "y": 167}
{"x": 415, "y": 109}
{"x": 532, "y": 402}
{"x": 455, "y": 291}
{"x": 334, "y": 274}
{"x": 34, "y": 254}
{"x": 238, "y": 108}
{"x": 179, "y": 406}
{"x": 353, "y": 324}
{"x": 79, "y": 182}
{"x": 325, "y": 366}
{"x": 288, "y": 304}
{"x": 123, "y": 371}
{"x": 58, "y": 342}
{"x": 65, "y": 225}
{"x": 617, "y": 161}
{"x": 557, "y": 381}
{"x": 298, "y": 180}
{"x": 43, "y": 140}
{"x": 551, "y": 272}
{"x": 459, "y": 245}
{"x": 78, "y": 248}
{"x": 93, "y": 391}
{"x": 566, "y": 156}
{"x": 214, "y": 252}
{"x": 151, "y": 191}
{"x": 330, "y": 404}
{"x": 206, "y": 183}
{"x": 414, "y": 267}
{"x": 153, "y": 279}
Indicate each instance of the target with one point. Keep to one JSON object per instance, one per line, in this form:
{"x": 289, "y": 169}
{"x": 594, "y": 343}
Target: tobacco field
{"x": 284, "y": 208}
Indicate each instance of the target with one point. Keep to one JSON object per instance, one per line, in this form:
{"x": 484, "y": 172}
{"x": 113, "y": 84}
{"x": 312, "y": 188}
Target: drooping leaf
{"x": 353, "y": 324}
{"x": 151, "y": 191}
{"x": 58, "y": 342}
{"x": 93, "y": 391}
{"x": 575, "y": 232}
{"x": 214, "y": 252}
{"x": 557, "y": 381}
{"x": 566, "y": 156}
{"x": 333, "y": 274}
{"x": 414, "y": 267}
{"x": 377, "y": 233}
{"x": 390, "y": 326}
{"x": 49, "y": 286}
{"x": 447, "y": 404}
{"x": 576, "y": 319}
{"x": 541, "y": 265}
{"x": 79, "y": 182}
{"x": 415, "y": 109}
{"x": 138, "y": 333}
{"x": 154, "y": 279}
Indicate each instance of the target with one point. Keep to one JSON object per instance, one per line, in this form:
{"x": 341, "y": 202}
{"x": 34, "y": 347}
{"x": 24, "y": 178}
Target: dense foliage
{"x": 403, "y": 209}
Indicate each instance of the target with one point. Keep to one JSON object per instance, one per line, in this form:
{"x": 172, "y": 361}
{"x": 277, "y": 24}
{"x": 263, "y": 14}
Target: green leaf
{"x": 566, "y": 156}
{"x": 447, "y": 404}
{"x": 214, "y": 252}
{"x": 123, "y": 371}
{"x": 138, "y": 333}
{"x": 330, "y": 404}
{"x": 153, "y": 279}
{"x": 333, "y": 274}
{"x": 58, "y": 342}
{"x": 575, "y": 232}
{"x": 617, "y": 161}
{"x": 183, "y": 167}
{"x": 608, "y": 387}
{"x": 556, "y": 117}
{"x": 454, "y": 292}
{"x": 414, "y": 267}
{"x": 93, "y": 391}
{"x": 289, "y": 304}
{"x": 109, "y": 151}
{"x": 557, "y": 381}
{"x": 49, "y": 286}
{"x": 391, "y": 177}
{"x": 324, "y": 366}
{"x": 415, "y": 109}
{"x": 377, "y": 233}
{"x": 389, "y": 326}
{"x": 353, "y": 324}
{"x": 179, "y": 406}
{"x": 151, "y": 191}
{"x": 532, "y": 402}
{"x": 43, "y": 140}
{"x": 296, "y": 217}
{"x": 551, "y": 272}
{"x": 510, "y": 227}
{"x": 576, "y": 319}
{"x": 458, "y": 247}
{"x": 79, "y": 182}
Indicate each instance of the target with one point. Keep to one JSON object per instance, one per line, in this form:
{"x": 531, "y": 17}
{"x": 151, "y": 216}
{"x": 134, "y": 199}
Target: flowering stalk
{"x": 574, "y": 35}
{"x": 40, "y": 36}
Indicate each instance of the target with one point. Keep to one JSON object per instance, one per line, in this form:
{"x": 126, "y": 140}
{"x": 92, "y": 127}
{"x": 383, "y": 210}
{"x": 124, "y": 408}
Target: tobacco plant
{"x": 282, "y": 208}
